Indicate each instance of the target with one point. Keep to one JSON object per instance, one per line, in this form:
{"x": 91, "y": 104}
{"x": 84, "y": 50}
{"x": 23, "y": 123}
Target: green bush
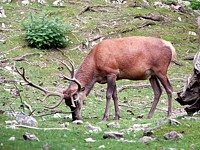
{"x": 195, "y": 4}
{"x": 169, "y": 2}
{"x": 44, "y": 33}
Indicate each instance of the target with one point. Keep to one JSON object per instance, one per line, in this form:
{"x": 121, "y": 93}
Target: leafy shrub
{"x": 195, "y": 4}
{"x": 169, "y": 2}
{"x": 45, "y": 33}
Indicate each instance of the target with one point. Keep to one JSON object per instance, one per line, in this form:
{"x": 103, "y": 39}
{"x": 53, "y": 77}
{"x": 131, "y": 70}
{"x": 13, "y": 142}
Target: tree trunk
{"x": 190, "y": 94}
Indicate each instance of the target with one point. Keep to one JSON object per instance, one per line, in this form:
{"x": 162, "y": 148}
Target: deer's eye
{"x": 75, "y": 96}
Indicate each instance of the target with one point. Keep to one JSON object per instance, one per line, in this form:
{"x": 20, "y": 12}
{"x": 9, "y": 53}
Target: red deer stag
{"x": 133, "y": 58}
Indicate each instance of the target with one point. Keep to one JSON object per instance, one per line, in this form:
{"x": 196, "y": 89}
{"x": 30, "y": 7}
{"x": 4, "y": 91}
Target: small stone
{"x": 101, "y": 146}
{"x": 113, "y": 124}
{"x": 139, "y": 127}
{"x": 57, "y": 115}
{"x": 174, "y": 122}
{"x": 148, "y": 132}
{"x": 189, "y": 118}
{"x": 11, "y": 122}
{"x": 12, "y": 138}
{"x": 77, "y": 122}
{"x": 113, "y": 135}
{"x": 192, "y": 33}
{"x": 64, "y": 125}
{"x": 30, "y": 137}
{"x": 140, "y": 116}
{"x": 94, "y": 129}
{"x": 172, "y": 135}
{"x": 146, "y": 139}
{"x": 90, "y": 140}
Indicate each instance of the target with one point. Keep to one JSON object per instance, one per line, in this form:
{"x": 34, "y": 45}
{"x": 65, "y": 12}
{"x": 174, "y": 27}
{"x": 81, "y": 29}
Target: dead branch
{"x": 29, "y": 107}
{"x": 9, "y": 30}
{"x": 17, "y": 47}
{"x": 20, "y": 58}
{"x": 36, "y": 128}
{"x": 91, "y": 8}
{"x": 52, "y": 112}
{"x": 88, "y": 8}
{"x": 198, "y": 22}
{"x": 190, "y": 57}
{"x": 23, "y": 57}
{"x": 151, "y": 17}
{"x": 124, "y": 105}
{"x": 96, "y": 38}
{"x": 132, "y": 87}
{"x": 147, "y": 23}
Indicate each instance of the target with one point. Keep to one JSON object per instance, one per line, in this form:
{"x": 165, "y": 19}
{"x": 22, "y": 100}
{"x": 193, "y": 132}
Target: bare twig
{"x": 124, "y": 105}
{"x": 190, "y": 57}
{"x": 91, "y": 8}
{"x": 9, "y": 30}
{"x": 132, "y": 87}
{"x": 20, "y": 58}
{"x": 53, "y": 112}
{"x": 45, "y": 129}
{"x": 151, "y": 17}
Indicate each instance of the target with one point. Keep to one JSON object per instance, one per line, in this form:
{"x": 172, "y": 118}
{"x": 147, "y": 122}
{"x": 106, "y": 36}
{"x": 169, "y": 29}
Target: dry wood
{"x": 189, "y": 95}
{"x": 198, "y": 21}
{"x": 189, "y": 57}
{"x": 36, "y": 128}
{"x": 9, "y": 30}
{"x": 53, "y": 112}
{"x": 91, "y": 8}
{"x": 20, "y": 58}
{"x": 151, "y": 17}
{"x": 132, "y": 87}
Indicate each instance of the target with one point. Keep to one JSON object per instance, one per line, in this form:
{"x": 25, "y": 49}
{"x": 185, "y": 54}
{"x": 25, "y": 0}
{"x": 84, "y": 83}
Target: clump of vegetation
{"x": 195, "y": 4}
{"x": 169, "y": 2}
{"x": 44, "y": 33}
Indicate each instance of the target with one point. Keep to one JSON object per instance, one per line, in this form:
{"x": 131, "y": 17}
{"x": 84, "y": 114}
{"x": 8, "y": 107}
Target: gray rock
{"x": 11, "y": 122}
{"x": 146, "y": 139}
{"x": 172, "y": 135}
{"x": 174, "y": 122}
{"x": 113, "y": 125}
{"x": 94, "y": 129}
{"x": 12, "y": 138}
{"x": 30, "y": 137}
{"x": 90, "y": 140}
{"x": 77, "y": 122}
{"x": 189, "y": 118}
{"x": 148, "y": 132}
{"x": 113, "y": 135}
{"x": 23, "y": 119}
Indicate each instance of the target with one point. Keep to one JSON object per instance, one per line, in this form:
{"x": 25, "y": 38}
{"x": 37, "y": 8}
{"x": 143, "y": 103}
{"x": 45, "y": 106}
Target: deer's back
{"x": 132, "y": 57}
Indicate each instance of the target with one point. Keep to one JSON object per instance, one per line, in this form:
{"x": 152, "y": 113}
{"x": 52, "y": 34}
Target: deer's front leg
{"x": 110, "y": 89}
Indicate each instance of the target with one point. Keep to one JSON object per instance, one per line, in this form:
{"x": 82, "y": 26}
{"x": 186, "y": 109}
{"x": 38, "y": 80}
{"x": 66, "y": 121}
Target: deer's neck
{"x": 86, "y": 76}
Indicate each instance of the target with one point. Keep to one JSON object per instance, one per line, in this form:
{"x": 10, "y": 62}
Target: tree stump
{"x": 190, "y": 94}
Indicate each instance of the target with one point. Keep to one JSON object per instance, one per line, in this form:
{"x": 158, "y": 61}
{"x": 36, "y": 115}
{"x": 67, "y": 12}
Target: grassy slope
{"x": 113, "y": 19}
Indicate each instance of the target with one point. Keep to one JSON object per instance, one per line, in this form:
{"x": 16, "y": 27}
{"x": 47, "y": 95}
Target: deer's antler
{"x": 72, "y": 71}
{"x": 46, "y": 92}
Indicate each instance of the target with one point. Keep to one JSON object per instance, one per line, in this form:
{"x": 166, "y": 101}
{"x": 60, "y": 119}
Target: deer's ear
{"x": 82, "y": 89}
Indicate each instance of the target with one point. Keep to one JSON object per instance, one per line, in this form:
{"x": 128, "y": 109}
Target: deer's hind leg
{"x": 157, "y": 93}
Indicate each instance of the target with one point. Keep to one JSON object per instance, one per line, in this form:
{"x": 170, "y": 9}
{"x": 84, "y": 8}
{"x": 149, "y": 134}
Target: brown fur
{"x": 133, "y": 58}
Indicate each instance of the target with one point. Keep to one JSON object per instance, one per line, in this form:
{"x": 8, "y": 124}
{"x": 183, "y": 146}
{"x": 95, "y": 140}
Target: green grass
{"x": 41, "y": 69}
